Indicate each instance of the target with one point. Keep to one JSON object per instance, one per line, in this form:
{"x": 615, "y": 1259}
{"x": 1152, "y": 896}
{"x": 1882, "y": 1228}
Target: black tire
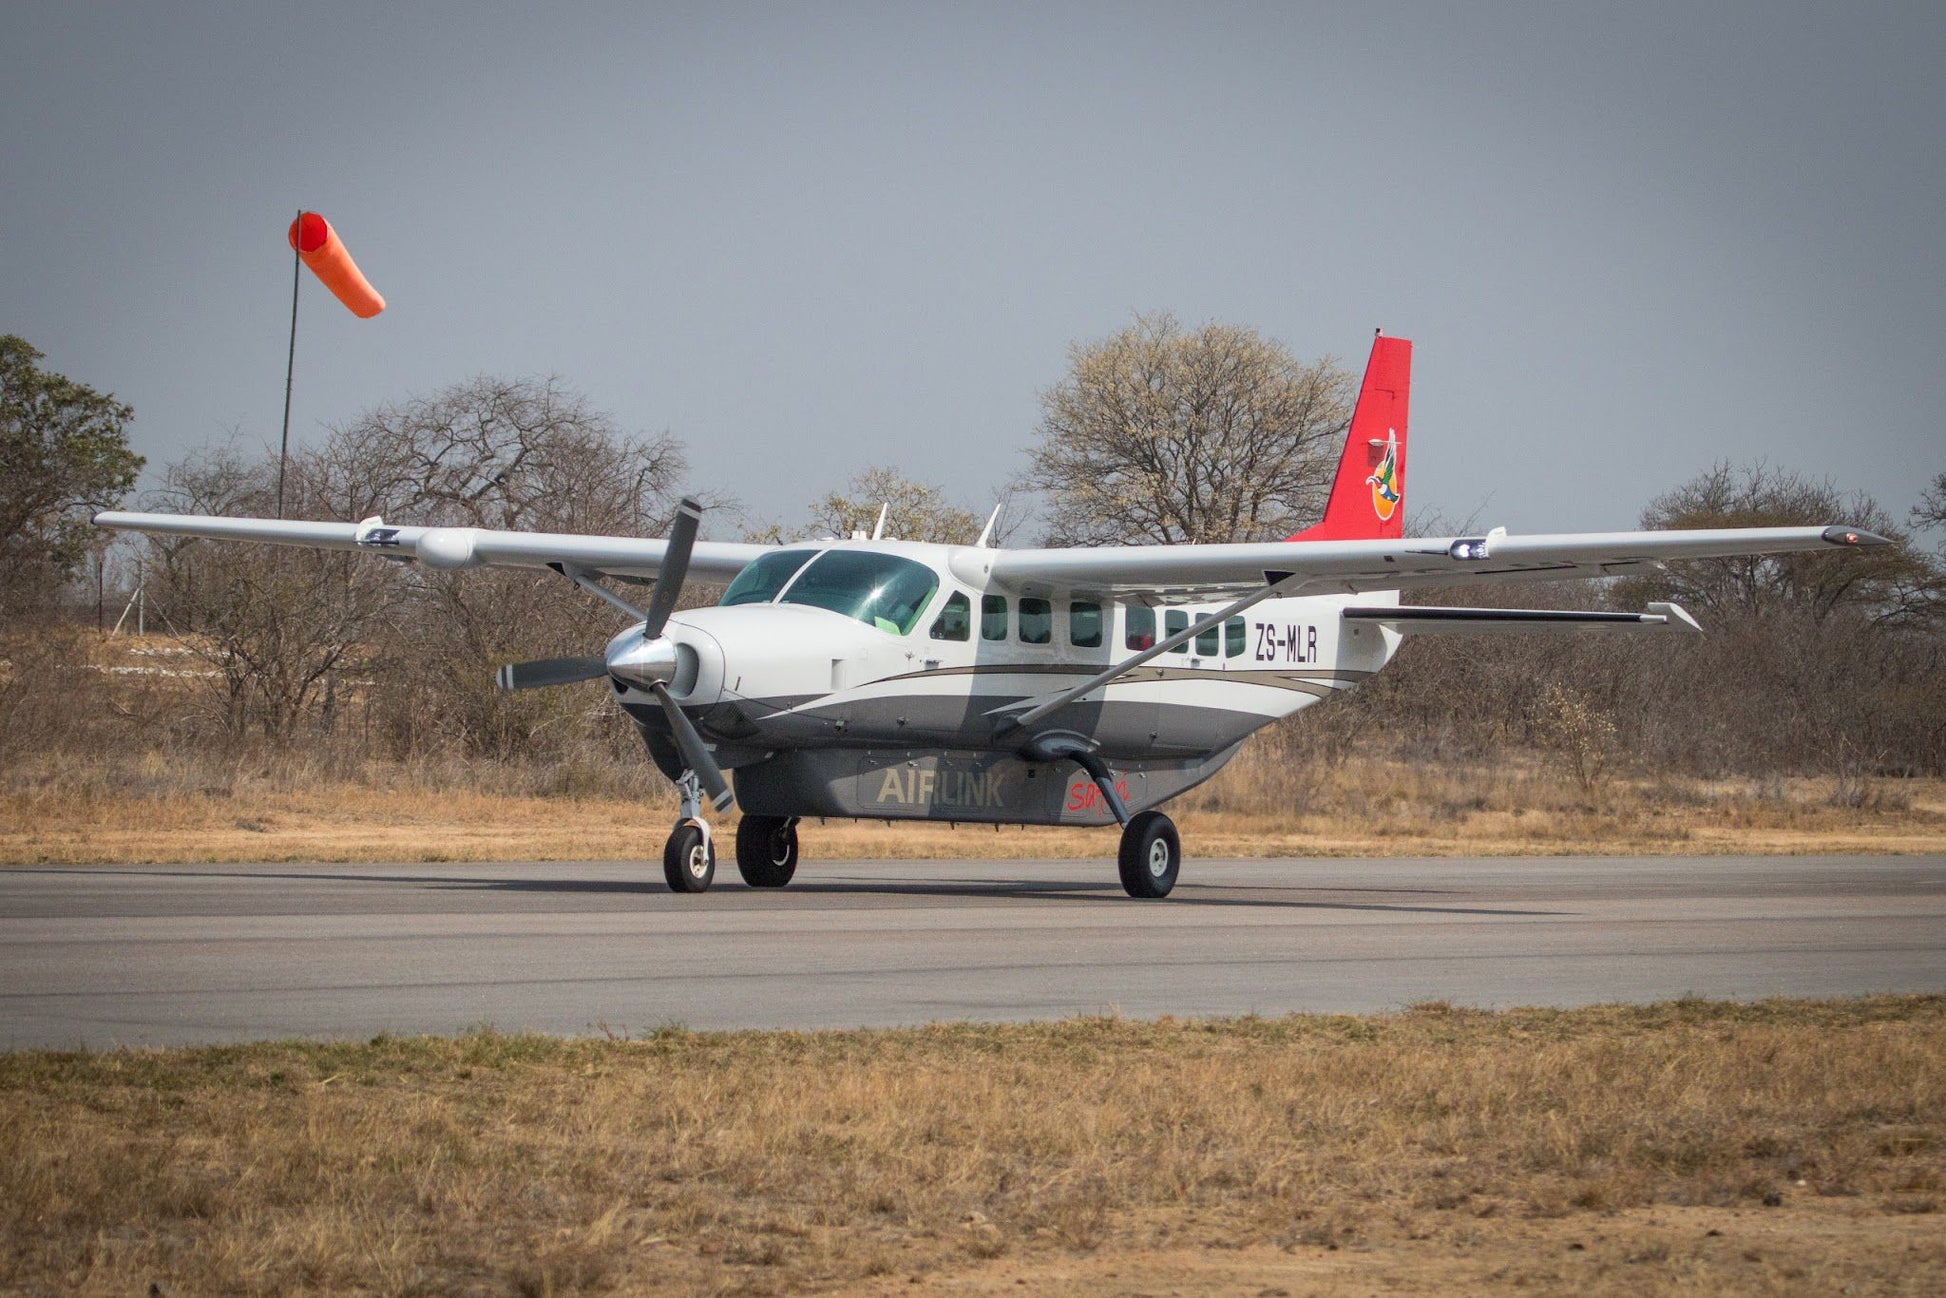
{"x": 688, "y": 859}
{"x": 1151, "y": 856}
{"x": 766, "y": 850}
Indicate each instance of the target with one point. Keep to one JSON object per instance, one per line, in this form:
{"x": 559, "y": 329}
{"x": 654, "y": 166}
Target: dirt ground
{"x": 1803, "y": 1246}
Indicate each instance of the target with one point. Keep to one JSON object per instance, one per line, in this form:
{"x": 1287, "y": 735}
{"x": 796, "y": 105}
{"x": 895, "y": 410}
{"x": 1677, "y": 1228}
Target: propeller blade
{"x": 695, "y": 754}
{"x": 550, "y": 671}
{"x": 675, "y": 565}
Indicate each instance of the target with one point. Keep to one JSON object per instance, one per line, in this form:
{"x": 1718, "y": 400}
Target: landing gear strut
{"x": 1151, "y": 856}
{"x": 689, "y": 857}
{"x": 767, "y": 850}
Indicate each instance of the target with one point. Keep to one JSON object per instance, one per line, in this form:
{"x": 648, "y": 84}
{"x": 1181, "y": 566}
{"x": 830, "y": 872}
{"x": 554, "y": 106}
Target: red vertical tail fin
{"x": 1367, "y": 499}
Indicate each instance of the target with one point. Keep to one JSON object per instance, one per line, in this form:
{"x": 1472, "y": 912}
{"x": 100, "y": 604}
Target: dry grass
{"x": 1776, "y": 1147}
{"x": 156, "y": 810}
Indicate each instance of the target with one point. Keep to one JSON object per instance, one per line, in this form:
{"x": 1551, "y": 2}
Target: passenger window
{"x": 1206, "y": 642}
{"x": 1036, "y": 621}
{"x": 955, "y": 620}
{"x": 1175, "y": 620}
{"x": 993, "y": 617}
{"x": 1233, "y": 638}
{"x": 1138, "y": 627}
{"x": 1084, "y": 625}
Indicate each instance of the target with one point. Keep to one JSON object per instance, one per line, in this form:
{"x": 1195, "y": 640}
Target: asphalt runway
{"x": 170, "y": 954}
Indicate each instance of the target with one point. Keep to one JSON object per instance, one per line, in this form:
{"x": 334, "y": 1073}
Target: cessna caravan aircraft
{"x": 886, "y": 679}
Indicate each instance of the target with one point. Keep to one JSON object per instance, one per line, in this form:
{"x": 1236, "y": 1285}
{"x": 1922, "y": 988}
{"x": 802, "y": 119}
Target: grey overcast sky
{"x": 1628, "y": 240}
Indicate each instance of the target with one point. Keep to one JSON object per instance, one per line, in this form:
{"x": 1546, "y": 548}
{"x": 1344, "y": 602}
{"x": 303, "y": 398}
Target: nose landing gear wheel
{"x": 767, "y": 850}
{"x": 689, "y": 859}
{"x": 1151, "y": 856}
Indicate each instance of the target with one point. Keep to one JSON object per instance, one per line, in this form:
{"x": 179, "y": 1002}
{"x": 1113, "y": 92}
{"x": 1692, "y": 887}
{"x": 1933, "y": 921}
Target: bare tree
{"x": 914, "y": 511}
{"x": 1163, "y": 435}
{"x": 1930, "y": 513}
{"x": 1885, "y": 583}
{"x": 276, "y": 624}
{"x": 524, "y": 454}
{"x": 281, "y": 626}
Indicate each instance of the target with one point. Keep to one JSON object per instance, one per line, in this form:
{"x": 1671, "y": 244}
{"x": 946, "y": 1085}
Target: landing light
{"x": 1472, "y": 547}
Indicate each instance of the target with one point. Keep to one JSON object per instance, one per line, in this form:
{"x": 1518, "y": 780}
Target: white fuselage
{"x": 775, "y": 674}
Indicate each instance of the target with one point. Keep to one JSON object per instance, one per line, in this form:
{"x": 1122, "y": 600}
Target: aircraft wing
{"x": 713, "y": 562}
{"x": 1352, "y": 567}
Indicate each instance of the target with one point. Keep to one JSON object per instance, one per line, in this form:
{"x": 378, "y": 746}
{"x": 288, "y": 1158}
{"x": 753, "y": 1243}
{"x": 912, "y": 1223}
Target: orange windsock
{"x": 319, "y": 248}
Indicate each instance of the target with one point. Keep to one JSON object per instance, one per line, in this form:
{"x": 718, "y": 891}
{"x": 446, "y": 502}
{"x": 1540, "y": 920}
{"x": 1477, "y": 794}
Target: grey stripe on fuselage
{"x": 1121, "y": 726}
{"x": 1291, "y": 678}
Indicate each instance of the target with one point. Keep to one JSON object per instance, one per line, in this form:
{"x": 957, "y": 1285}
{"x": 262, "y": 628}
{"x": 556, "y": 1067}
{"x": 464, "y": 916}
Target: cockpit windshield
{"x": 880, "y": 590}
{"x": 763, "y": 578}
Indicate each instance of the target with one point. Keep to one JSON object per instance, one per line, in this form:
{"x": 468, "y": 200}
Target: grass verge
{"x": 1254, "y": 809}
{"x": 1780, "y": 1146}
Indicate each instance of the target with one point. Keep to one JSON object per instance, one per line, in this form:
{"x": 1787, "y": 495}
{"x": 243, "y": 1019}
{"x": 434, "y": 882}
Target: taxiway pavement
{"x": 122, "y": 955}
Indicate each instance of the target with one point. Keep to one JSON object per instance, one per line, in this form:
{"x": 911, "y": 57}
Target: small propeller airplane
{"x": 876, "y": 678}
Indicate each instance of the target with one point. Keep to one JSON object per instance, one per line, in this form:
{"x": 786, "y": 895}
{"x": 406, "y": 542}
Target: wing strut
{"x": 1036, "y": 709}
{"x": 586, "y": 580}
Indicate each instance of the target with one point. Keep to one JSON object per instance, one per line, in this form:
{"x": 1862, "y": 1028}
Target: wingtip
{"x": 1853, "y": 536}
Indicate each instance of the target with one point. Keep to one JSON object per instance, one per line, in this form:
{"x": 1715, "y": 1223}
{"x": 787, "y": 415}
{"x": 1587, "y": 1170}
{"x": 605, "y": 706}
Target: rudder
{"x": 1367, "y": 500}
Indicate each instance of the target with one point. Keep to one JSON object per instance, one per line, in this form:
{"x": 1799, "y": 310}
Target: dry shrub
{"x": 55, "y": 699}
{"x": 1573, "y": 725}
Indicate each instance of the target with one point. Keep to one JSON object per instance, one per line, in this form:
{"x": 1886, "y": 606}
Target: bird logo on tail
{"x": 1384, "y": 481}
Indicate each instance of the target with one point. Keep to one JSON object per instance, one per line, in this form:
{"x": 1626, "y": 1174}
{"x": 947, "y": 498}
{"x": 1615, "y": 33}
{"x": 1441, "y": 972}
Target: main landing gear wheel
{"x": 689, "y": 859}
{"x": 1151, "y": 856}
{"x": 767, "y": 850}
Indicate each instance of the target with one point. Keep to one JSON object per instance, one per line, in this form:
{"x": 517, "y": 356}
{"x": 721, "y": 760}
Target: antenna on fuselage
{"x": 986, "y": 533}
{"x": 878, "y": 528}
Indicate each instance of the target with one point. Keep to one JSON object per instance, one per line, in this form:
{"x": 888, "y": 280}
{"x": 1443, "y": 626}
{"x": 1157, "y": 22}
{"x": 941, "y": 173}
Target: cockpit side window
{"x": 760, "y": 581}
{"x": 1138, "y": 627}
{"x": 955, "y": 620}
{"x": 880, "y": 590}
{"x": 1174, "y": 620}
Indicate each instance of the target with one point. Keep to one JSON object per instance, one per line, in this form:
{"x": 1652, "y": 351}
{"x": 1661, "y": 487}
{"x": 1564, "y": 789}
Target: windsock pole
{"x": 315, "y": 244}
{"x": 290, "y": 368}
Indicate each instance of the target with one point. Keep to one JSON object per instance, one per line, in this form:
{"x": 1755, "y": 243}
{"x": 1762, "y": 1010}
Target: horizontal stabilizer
{"x": 550, "y": 671}
{"x": 1501, "y": 621}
